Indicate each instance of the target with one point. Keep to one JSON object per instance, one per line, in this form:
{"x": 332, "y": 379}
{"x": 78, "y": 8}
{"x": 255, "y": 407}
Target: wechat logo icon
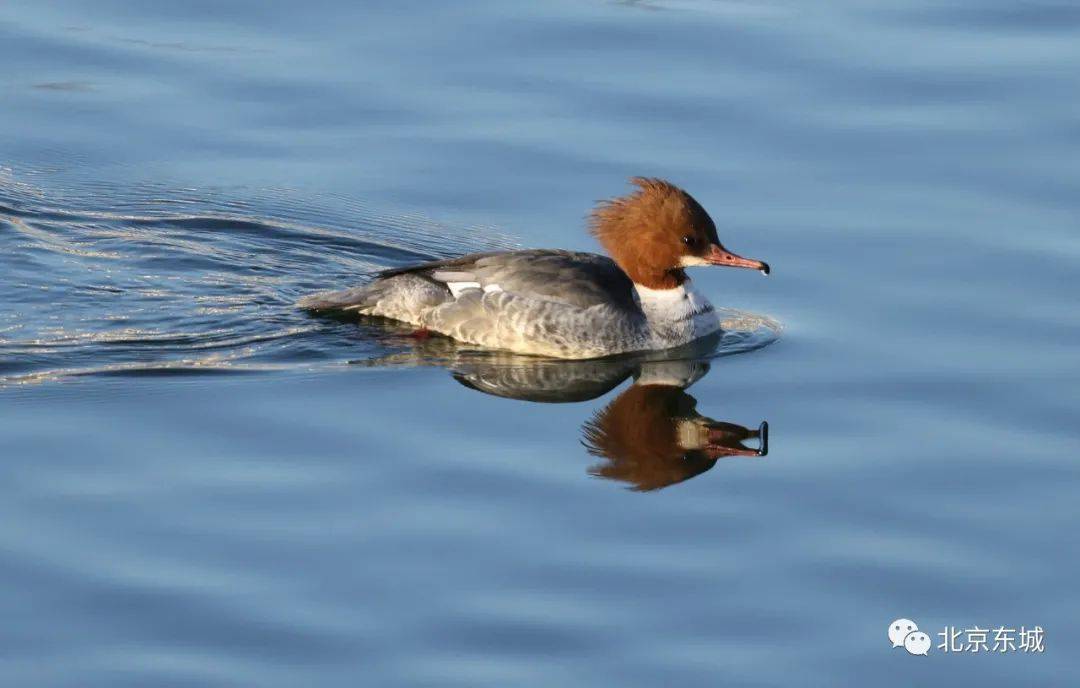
{"x": 905, "y": 633}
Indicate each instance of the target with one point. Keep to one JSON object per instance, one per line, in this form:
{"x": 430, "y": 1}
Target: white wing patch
{"x": 457, "y": 288}
{"x": 460, "y": 281}
{"x": 453, "y": 276}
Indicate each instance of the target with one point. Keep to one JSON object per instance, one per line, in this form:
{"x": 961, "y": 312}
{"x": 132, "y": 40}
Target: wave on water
{"x": 147, "y": 280}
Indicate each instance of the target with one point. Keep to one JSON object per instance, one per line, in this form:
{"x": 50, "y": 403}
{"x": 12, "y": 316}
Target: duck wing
{"x": 568, "y": 277}
{"x": 542, "y": 302}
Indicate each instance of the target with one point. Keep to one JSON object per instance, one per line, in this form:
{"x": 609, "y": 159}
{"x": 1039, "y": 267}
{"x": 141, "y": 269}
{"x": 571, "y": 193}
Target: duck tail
{"x": 357, "y": 298}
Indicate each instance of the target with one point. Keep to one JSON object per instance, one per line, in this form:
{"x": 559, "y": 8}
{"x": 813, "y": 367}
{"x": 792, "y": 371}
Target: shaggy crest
{"x": 649, "y": 231}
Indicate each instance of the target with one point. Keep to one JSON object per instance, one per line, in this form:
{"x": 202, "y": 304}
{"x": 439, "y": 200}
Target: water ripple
{"x": 150, "y": 280}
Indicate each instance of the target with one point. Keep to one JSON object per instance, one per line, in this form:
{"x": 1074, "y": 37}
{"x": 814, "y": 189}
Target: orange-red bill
{"x": 718, "y": 255}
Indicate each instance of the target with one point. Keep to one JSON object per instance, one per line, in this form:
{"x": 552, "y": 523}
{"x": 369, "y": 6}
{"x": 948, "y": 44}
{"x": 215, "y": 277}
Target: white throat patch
{"x": 677, "y": 316}
{"x": 692, "y": 261}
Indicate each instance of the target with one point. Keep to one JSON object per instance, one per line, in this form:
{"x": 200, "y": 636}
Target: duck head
{"x": 657, "y": 231}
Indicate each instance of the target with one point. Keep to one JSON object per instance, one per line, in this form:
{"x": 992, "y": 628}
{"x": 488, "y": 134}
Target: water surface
{"x": 204, "y": 486}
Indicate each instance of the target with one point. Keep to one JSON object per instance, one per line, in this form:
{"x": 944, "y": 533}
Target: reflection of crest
{"x": 651, "y": 436}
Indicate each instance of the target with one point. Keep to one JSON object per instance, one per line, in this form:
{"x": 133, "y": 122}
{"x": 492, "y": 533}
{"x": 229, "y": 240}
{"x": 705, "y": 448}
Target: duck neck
{"x": 677, "y": 315}
{"x": 657, "y": 280}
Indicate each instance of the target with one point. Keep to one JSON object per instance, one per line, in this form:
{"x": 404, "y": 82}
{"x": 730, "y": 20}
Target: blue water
{"x": 202, "y": 486}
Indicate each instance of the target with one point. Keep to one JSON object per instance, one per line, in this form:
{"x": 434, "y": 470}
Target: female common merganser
{"x": 561, "y": 303}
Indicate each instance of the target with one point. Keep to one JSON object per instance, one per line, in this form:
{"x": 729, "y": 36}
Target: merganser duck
{"x": 567, "y": 304}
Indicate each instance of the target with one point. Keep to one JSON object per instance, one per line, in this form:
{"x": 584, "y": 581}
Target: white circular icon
{"x": 917, "y": 643}
{"x": 899, "y": 629}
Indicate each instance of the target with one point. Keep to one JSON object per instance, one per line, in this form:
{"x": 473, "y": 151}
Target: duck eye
{"x": 689, "y": 240}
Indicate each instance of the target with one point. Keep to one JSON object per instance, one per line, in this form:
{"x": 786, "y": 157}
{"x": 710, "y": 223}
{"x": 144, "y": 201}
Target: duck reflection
{"x": 650, "y": 436}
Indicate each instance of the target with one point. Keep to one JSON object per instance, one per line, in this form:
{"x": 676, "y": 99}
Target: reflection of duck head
{"x": 652, "y": 436}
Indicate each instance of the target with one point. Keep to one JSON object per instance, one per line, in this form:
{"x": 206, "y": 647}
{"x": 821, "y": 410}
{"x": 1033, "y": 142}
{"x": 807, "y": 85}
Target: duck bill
{"x": 718, "y": 255}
